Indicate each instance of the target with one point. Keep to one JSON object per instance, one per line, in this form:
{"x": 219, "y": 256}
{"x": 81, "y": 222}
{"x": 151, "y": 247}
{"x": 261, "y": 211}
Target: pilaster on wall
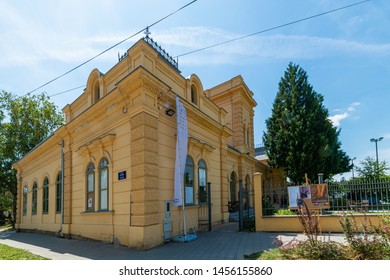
{"x": 144, "y": 170}
{"x": 257, "y": 187}
{"x": 68, "y": 187}
{"x": 19, "y": 209}
{"x": 224, "y": 183}
{"x": 238, "y": 137}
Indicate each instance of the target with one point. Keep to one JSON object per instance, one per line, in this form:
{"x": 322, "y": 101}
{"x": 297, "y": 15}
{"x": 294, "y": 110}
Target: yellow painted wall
{"x": 126, "y": 123}
{"x": 46, "y": 165}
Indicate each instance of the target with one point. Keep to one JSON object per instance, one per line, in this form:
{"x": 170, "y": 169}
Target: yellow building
{"x": 119, "y": 154}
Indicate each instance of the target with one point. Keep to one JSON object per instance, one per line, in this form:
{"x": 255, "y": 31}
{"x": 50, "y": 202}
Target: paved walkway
{"x": 223, "y": 243}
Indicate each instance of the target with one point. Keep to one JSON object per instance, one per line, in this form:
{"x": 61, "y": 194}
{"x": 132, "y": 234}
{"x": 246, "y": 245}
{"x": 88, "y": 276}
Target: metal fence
{"x": 356, "y": 196}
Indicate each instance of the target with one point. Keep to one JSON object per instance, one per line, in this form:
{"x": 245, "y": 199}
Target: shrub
{"x": 316, "y": 250}
{"x": 284, "y": 212}
{"x": 364, "y": 242}
{"x": 367, "y": 242}
{"x": 268, "y": 207}
{"x": 310, "y": 222}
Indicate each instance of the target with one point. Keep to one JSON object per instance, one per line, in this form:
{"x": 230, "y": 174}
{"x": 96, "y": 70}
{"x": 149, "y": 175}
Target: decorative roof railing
{"x": 162, "y": 53}
{"x": 120, "y": 57}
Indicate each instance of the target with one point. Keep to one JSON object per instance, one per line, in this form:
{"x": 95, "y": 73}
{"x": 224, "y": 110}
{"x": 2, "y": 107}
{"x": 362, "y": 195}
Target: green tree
{"x": 300, "y": 137}
{"x": 24, "y": 123}
{"x": 371, "y": 170}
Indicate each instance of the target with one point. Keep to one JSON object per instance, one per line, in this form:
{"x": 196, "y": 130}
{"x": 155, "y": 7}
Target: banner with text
{"x": 181, "y": 152}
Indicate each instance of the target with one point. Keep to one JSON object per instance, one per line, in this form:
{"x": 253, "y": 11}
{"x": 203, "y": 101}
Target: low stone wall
{"x": 328, "y": 223}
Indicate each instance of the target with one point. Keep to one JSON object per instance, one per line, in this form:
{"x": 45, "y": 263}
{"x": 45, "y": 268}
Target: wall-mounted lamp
{"x": 170, "y": 112}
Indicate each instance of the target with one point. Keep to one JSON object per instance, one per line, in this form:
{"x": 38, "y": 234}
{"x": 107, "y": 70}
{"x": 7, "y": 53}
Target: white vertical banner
{"x": 181, "y": 152}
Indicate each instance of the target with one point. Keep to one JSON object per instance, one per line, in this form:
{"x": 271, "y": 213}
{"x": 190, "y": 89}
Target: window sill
{"x": 98, "y": 212}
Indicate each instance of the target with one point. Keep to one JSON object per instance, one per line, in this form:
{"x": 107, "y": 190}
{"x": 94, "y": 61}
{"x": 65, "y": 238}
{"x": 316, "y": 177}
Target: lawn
{"x": 10, "y": 253}
{"x": 271, "y": 254}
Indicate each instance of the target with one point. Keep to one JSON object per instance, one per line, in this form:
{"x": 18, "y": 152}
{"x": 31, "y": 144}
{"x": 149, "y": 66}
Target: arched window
{"x": 247, "y": 182}
{"x": 25, "y": 192}
{"x": 34, "y": 199}
{"x": 194, "y": 94}
{"x": 189, "y": 181}
{"x": 103, "y": 184}
{"x": 233, "y": 187}
{"x": 96, "y": 91}
{"x": 45, "y": 200}
{"x": 90, "y": 177}
{"x": 202, "y": 181}
{"x": 59, "y": 192}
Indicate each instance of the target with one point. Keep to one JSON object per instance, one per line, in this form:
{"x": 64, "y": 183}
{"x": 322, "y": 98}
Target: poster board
{"x": 315, "y": 196}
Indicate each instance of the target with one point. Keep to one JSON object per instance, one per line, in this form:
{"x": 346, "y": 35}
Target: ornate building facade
{"x": 108, "y": 173}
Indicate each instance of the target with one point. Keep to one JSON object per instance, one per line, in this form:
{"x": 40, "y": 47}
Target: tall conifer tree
{"x": 300, "y": 137}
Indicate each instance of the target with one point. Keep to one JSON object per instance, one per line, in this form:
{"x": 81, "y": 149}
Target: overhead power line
{"x": 215, "y": 45}
{"x": 106, "y": 50}
{"x": 270, "y": 29}
{"x": 65, "y": 91}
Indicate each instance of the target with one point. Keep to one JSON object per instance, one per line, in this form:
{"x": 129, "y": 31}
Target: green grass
{"x": 271, "y": 254}
{"x": 10, "y": 253}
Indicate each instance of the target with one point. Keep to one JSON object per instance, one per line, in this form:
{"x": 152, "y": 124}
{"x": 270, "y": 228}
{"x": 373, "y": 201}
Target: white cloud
{"x": 354, "y": 104}
{"x": 30, "y": 42}
{"x": 337, "y": 118}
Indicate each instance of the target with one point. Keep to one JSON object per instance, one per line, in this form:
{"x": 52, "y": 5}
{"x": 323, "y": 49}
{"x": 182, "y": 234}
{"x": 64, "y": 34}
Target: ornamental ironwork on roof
{"x": 162, "y": 53}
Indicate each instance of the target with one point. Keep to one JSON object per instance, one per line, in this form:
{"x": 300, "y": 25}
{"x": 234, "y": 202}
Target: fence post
{"x": 320, "y": 178}
{"x": 258, "y": 192}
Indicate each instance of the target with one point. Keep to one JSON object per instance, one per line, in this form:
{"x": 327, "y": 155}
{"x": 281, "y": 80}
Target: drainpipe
{"x": 62, "y": 185}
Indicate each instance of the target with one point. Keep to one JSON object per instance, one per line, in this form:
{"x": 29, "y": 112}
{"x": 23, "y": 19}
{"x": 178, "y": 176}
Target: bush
{"x": 284, "y": 212}
{"x": 367, "y": 242}
{"x": 316, "y": 250}
{"x": 268, "y": 207}
{"x": 310, "y": 222}
{"x": 364, "y": 242}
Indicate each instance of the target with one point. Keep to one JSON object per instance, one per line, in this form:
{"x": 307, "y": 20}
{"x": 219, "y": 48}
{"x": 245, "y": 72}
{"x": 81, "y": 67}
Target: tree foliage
{"x": 300, "y": 137}
{"x": 24, "y": 123}
{"x": 371, "y": 170}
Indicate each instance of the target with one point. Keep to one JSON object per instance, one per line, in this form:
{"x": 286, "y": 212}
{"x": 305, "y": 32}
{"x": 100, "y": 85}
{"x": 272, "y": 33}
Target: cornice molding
{"x": 98, "y": 143}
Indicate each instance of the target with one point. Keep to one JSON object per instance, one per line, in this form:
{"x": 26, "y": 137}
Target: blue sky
{"x": 346, "y": 53}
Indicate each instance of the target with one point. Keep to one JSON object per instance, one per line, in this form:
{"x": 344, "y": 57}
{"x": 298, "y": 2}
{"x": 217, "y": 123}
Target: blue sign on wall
{"x": 122, "y": 175}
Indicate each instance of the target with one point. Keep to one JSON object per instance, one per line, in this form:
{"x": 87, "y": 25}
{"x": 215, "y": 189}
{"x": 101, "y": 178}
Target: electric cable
{"x": 270, "y": 29}
{"x": 65, "y": 91}
{"x": 106, "y": 50}
{"x": 218, "y": 44}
